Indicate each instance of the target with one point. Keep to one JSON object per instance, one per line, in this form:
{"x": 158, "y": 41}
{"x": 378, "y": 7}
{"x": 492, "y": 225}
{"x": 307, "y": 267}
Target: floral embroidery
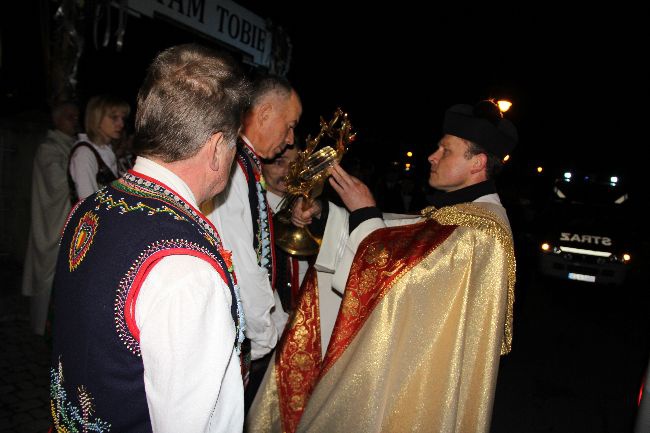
{"x": 227, "y": 257}
{"x": 82, "y": 239}
{"x": 66, "y": 416}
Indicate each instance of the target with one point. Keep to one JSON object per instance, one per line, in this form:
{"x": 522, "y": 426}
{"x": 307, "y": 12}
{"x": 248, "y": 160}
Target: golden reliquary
{"x": 306, "y": 179}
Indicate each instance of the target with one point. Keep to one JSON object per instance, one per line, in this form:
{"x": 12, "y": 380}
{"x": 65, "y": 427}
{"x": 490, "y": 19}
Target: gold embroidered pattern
{"x": 298, "y": 356}
{"x": 399, "y": 249}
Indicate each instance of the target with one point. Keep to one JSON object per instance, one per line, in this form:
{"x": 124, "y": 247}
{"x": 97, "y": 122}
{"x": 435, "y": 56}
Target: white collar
{"x": 164, "y": 175}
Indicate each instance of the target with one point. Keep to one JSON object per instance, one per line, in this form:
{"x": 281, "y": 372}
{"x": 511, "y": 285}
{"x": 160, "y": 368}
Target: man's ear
{"x": 216, "y": 145}
{"x": 479, "y": 163}
{"x": 263, "y": 113}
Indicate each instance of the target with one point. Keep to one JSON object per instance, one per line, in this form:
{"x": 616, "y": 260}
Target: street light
{"x": 504, "y": 105}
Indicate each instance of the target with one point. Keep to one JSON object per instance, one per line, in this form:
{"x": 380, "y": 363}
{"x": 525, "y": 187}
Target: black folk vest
{"x": 110, "y": 242}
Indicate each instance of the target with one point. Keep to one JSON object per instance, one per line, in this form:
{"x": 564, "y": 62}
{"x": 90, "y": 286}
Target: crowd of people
{"x": 172, "y": 309}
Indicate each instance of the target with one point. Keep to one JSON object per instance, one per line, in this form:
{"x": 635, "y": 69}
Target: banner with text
{"x": 221, "y": 19}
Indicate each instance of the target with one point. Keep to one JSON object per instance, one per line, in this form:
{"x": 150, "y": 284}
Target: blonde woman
{"x": 93, "y": 163}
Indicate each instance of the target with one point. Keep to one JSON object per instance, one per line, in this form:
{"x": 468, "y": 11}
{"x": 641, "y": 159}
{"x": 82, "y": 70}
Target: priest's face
{"x": 452, "y": 166}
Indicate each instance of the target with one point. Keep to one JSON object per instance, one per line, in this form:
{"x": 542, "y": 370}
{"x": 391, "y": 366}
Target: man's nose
{"x": 433, "y": 159}
{"x": 290, "y": 137}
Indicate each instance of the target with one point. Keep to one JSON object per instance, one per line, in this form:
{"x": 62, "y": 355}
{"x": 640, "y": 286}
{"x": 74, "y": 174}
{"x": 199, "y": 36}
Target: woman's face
{"x": 112, "y": 124}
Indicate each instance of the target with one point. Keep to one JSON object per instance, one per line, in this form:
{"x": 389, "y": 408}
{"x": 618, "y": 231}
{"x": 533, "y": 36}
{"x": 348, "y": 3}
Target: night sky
{"x": 577, "y": 78}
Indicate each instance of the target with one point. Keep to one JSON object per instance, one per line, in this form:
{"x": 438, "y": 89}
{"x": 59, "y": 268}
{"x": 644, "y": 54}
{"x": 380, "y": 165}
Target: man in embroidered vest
{"x": 243, "y": 217}
{"x": 427, "y": 302}
{"x": 148, "y": 323}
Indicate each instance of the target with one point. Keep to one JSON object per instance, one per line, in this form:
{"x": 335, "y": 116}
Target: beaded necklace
{"x": 260, "y": 209}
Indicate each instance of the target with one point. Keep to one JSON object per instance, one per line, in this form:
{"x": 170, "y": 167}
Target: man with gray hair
{"x": 268, "y": 127}
{"x": 50, "y": 207}
{"x": 149, "y": 326}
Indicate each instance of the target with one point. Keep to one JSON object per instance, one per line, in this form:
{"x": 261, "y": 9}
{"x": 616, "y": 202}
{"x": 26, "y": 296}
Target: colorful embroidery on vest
{"x": 67, "y": 221}
{"x": 82, "y": 239}
{"x": 179, "y": 210}
{"x": 126, "y": 284}
{"x": 138, "y": 186}
{"x": 66, "y": 416}
{"x": 264, "y": 235}
{"x": 125, "y": 208}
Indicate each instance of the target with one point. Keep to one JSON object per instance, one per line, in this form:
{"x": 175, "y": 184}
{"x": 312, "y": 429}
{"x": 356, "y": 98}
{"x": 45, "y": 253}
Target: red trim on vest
{"x": 145, "y": 268}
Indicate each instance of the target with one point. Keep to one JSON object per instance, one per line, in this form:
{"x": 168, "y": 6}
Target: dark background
{"x": 576, "y": 76}
{"x": 578, "y": 81}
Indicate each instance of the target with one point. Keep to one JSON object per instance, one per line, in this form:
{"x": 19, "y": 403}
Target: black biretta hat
{"x": 485, "y": 127}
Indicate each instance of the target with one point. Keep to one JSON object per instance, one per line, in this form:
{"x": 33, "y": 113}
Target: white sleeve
{"x": 338, "y": 248}
{"x": 265, "y": 318}
{"x": 83, "y": 169}
{"x": 192, "y": 374}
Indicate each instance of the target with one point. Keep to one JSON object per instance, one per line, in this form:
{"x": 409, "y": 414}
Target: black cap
{"x": 485, "y": 127}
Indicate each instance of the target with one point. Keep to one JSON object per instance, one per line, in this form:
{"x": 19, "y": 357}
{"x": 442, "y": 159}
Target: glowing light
{"x": 540, "y": 169}
{"x": 409, "y": 154}
{"x": 613, "y": 180}
{"x": 626, "y": 257}
{"x": 407, "y": 165}
{"x": 585, "y": 252}
{"x": 546, "y": 246}
{"x": 621, "y": 199}
{"x": 504, "y": 105}
{"x": 567, "y": 175}
{"x": 506, "y": 158}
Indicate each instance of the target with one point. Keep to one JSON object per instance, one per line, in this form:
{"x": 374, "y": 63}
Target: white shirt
{"x": 265, "y": 318}
{"x": 84, "y": 167}
{"x": 50, "y": 208}
{"x": 192, "y": 374}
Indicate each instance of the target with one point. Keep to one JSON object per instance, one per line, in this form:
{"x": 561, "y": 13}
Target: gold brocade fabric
{"x": 298, "y": 358}
{"x": 381, "y": 259}
{"x": 264, "y": 414}
{"x": 476, "y": 216}
{"x": 424, "y": 356}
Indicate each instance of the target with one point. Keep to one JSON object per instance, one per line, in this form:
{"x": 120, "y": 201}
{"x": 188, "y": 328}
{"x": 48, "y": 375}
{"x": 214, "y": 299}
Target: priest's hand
{"x": 354, "y": 193}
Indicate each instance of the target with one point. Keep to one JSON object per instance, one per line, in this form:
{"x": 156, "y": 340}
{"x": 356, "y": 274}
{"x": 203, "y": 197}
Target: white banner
{"x": 221, "y": 19}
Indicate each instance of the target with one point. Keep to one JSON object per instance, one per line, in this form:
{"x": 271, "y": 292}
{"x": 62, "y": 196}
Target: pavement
{"x": 24, "y": 361}
{"x": 578, "y": 356}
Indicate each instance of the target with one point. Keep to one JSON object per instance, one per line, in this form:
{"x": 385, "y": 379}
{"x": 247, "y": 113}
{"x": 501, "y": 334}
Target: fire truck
{"x": 585, "y": 232}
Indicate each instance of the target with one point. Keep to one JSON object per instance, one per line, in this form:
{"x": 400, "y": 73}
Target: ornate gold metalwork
{"x": 306, "y": 179}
